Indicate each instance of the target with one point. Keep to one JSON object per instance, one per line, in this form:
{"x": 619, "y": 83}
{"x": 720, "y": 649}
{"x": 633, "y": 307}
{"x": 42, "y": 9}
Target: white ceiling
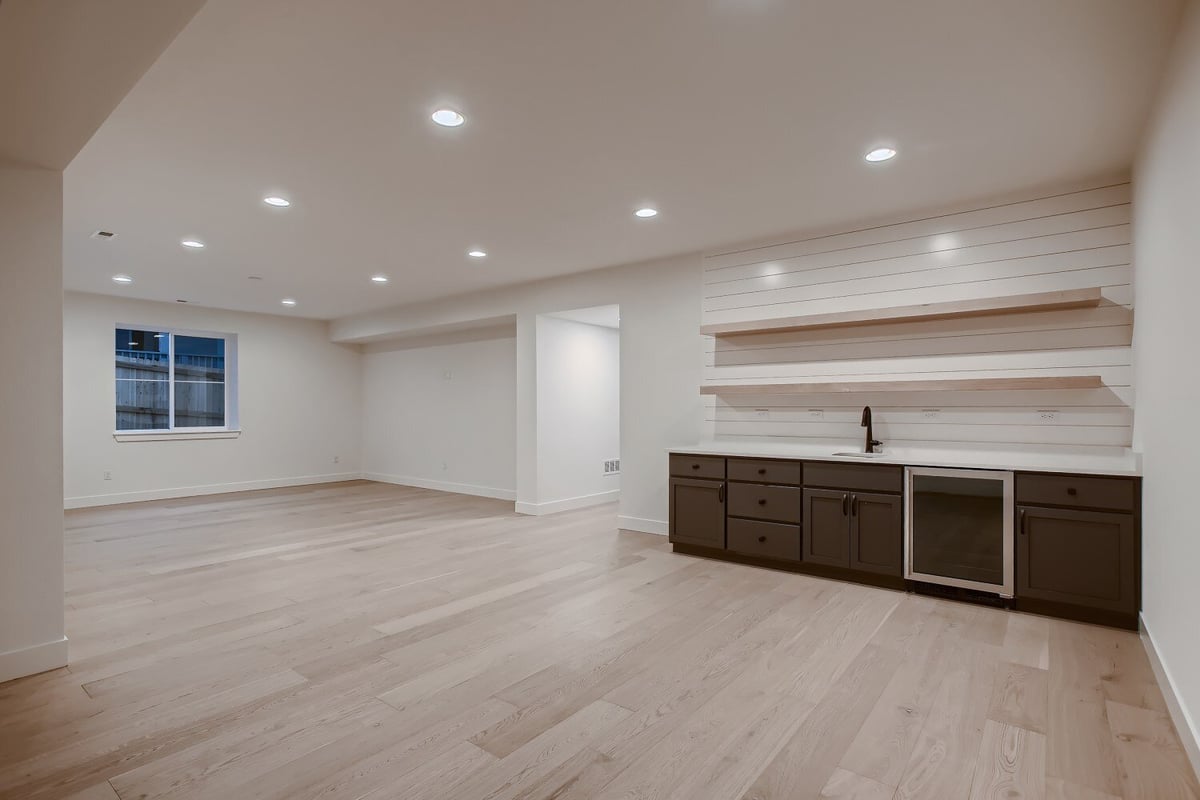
{"x": 739, "y": 119}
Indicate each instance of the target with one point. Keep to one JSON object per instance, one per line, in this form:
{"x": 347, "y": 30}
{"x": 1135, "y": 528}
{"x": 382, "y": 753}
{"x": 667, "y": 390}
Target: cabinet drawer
{"x": 1114, "y": 494}
{"x": 786, "y": 473}
{"x": 854, "y": 476}
{"x": 685, "y": 466}
{"x": 768, "y": 539}
{"x": 774, "y": 503}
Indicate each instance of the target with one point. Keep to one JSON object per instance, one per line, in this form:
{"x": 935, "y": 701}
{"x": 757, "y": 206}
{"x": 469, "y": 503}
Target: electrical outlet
{"x": 612, "y": 466}
{"x": 816, "y": 413}
{"x": 762, "y": 413}
{"x": 931, "y": 413}
{"x": 337, "y": 459}
{"x": 444, "y": 465}
{"x": 107, "y": 475}
{"x": 447, "y": 375}
{"x": 1048, "y": 415}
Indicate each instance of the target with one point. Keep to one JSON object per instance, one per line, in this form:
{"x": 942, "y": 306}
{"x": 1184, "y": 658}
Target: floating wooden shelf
{"x": 1012, "y": 304}
{"x": 941, "y": 385}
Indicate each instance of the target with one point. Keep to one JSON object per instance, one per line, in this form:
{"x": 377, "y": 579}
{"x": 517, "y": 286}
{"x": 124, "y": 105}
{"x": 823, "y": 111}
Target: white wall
{"x": 1167, "y": 248}
{"x": 31, "y": 472}
{"x": 660, "y": 364}
{"x": 440, "y": 412}
{"x": 578, "y": 413}
{"x": 1047, "y": 242}
{"x": 299, "y": 402}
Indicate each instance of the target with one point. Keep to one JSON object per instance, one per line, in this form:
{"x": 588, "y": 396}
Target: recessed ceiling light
{"x": 448, "y": 118}
{"x": 880, "y": 154}
{"x": 287, "y": 301}
{"x": 379, "y": 278}
{"x": 278, "y": 202}
{"x": 122, "y": 279}
{"x": 646, "y": 213}
{"x": 477, "y": 254}
{"x": 195, "y": 244}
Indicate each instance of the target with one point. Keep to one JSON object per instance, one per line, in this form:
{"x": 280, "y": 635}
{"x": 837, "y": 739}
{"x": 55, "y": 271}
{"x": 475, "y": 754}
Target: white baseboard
{"x": 33, "y": 659}
{"x": 569, "y": 504}
{"x": 1189, "y": 733}
{"x": 659, "y": 526}
{"x": 89, "y": 501}
{"x": 443, "y": 486}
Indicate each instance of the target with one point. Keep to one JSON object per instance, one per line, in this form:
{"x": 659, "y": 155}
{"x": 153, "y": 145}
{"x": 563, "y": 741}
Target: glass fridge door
{"x": 960, "y": 529}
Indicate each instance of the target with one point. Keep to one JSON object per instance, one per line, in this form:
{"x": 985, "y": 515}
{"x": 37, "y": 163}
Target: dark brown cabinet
{"x": 855, "y": 530}
{"x": 1078, "y": 557}
{"x": 698, "y": 512}
{"x": 1077, "y": 543}
{"x": 827, "y": 527}
{"x": 877, "y": 533}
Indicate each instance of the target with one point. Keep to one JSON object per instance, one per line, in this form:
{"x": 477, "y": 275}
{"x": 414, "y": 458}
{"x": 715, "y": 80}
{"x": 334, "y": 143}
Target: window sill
{"x": 171, "y": 436}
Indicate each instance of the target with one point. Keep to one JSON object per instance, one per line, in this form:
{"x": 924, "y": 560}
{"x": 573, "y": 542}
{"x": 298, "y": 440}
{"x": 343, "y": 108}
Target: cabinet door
{"x": 826, "y": 533}
{"x": 1086, "y": 558}
{"x": 698, "y": 512}
{"x": 877, "y": 533}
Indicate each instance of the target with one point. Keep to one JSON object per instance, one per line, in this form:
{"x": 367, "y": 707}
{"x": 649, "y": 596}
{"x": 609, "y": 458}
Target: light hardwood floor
{"x": 371, "y": 641}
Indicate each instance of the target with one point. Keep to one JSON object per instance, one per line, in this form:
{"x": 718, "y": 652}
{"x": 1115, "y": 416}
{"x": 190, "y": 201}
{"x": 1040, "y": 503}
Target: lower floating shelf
{"x": 945, "y": 385}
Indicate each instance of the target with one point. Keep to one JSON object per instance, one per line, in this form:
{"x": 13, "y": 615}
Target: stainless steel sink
{"x": 862, "y": 455}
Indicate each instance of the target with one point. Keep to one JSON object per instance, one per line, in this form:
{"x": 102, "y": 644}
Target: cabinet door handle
{"x": 762, "y": 501}
{"x": 1021, "y": 522}
{"x": 854, "y": 505}
{"x": 721, "y": 493}
{"x": 762, "y": 539}
{"x": 845, "y": 502}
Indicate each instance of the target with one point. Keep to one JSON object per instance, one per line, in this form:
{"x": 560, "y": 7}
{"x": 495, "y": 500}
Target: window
{"x": 174, "y": 381}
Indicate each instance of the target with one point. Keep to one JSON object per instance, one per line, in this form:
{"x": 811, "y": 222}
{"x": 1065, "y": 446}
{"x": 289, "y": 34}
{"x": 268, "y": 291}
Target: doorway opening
{"x": 578, "y": 408}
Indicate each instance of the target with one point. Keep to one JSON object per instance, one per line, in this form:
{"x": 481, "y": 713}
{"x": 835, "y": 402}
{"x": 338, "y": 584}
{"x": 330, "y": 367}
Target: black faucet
{"x": 872, "y": 442}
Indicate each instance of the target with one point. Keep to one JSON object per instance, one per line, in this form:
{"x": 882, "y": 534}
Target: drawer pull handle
{"x": 1071, "y": 490}
{"x": 762, "y": 470}
{"x": 762, "y": 501}
{"x": 762, "y": 539}
{"x": 695, "y": 466}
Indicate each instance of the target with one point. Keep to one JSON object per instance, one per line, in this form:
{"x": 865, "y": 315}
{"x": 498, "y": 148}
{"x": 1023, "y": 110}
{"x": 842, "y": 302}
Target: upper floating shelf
{"x": 1012, "y": 304}
{"x": 948, "y": 385}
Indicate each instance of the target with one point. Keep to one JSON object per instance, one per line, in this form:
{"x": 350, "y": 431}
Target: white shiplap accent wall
{"x": 1072, "y": 240}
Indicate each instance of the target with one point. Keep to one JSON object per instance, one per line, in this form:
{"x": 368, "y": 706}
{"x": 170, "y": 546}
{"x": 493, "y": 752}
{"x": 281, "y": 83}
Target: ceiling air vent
{"x": 104, "y": 235}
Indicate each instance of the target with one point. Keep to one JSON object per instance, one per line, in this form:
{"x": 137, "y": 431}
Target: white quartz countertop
{"x": 1128, "y": 465}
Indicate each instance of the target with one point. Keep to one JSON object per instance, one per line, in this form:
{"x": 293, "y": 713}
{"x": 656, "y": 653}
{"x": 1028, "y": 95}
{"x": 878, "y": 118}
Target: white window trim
{"x": 176, "y": 435}
{"x": 230, "y": 430}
